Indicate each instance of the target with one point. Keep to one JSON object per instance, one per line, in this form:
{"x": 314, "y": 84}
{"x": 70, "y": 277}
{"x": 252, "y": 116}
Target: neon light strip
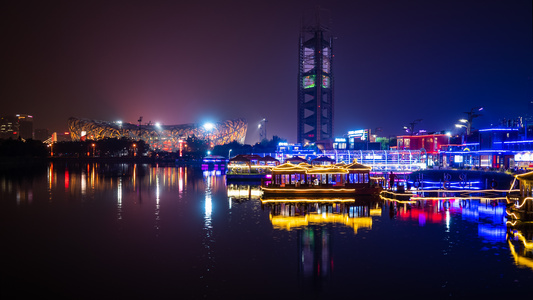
{"x": 479, "y": 151}
{"x": 396, "y": 200}
{"x": 523, "y": 202}
{"x": 518, "y": 142}
{"x": 306, "y": 200}
{"x": 303, "y": 190}
{"x": 499, "y": 129}
{"x": 458, "y": 198}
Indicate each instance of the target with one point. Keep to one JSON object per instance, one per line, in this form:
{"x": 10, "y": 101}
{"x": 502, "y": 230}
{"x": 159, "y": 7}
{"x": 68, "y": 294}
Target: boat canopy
{"x": 240, "y": 157}
{"x": 296, "y": 159}
{"x": 288, "y": 168}
{"x": 326, "y": 170}
{"x": 526, "y": 176}
{"x": 357, "y": 167}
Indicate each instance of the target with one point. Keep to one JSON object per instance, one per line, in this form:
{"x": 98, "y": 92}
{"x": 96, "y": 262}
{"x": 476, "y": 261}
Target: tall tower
{"x": 315, "y": 79}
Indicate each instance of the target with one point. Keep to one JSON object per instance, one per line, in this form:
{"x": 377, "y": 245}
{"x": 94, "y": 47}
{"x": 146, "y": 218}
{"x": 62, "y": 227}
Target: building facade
{"x": 495, "y": 148}
{"x": 16, "y": 126}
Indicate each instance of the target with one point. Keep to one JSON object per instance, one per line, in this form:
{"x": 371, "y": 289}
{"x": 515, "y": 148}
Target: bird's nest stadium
{"x": 159, "y": 137}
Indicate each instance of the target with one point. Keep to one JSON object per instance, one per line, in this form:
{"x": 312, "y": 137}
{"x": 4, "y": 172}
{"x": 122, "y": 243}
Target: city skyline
{"x": 177, "y": 63}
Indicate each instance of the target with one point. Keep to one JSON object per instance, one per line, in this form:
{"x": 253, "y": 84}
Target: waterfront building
{"x": 381, "y": 161}
{"x": 360, "y": 139}
{"x": 430, "y": 144}
{"x": 61, "y": 137}
{"x": 496, "y": 148}
{"x": 168, "y": 138}
{"x": 315, "y": 80}
{"x": 288, "y": 150}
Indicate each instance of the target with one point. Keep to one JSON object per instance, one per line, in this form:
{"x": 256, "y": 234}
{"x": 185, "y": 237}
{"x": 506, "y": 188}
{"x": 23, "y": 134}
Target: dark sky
{"x": 179, "y": 62}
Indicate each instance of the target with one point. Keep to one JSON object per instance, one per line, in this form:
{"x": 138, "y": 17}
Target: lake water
{"x": 91, "y": 231}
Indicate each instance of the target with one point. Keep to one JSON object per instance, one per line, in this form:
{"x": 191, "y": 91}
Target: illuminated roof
{"x": 162, "y": 137}
{"x": 526, "y": 176}
{"x": 340, "y": 168}
{"x": 288, "y": 168}
{"x": 296, "y": 158}
{"x": 268, "y": 158}
{"x": 327, "y": 170}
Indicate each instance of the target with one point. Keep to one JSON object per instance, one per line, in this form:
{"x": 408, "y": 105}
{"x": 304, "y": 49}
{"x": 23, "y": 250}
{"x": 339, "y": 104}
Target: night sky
{"x": 177, "y": 62}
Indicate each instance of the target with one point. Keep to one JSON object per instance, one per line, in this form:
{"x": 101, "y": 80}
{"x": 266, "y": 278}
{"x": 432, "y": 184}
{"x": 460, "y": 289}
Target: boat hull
{"x": 245, "y": 177}
{"x": 320, "y": 191}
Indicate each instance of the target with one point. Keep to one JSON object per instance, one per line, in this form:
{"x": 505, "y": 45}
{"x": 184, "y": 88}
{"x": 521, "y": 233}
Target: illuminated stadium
{"x": 159, "y": 137}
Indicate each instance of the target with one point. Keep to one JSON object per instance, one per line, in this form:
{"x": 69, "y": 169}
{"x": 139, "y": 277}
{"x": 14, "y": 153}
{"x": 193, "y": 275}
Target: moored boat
{"x": 321, "y": 180}
{"x": 250, "y": 167}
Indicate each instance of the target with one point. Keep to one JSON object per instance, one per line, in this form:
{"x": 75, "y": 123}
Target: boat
{"x": 250, "y": 167}
{"x": 214, "y": 163}
{"x": 311, "y": 180}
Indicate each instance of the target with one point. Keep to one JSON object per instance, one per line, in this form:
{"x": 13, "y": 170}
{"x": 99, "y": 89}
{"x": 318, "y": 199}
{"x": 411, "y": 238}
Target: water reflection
{"x": 287, "y": 214}
{"x": 190, "y": 231}
{"x": 208, "y": 241}
{"x": 520, "y": 240}
{"x": 488, "y": 214}
{"x": 314, "y": 221}
{"x": 243, "y": 192}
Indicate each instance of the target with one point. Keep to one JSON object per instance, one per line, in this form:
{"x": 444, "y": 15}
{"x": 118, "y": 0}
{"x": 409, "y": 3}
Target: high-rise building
{"x": 315, "y": 79}
{"x": 16, "y": 126}
{"x": 25, "y": 126}
{"x": 8, "y": 127}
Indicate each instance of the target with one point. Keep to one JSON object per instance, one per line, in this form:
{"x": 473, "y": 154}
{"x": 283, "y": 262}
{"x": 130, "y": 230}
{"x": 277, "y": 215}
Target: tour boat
{"x": 306, "y": 180}
{"x": 250, "y": 167}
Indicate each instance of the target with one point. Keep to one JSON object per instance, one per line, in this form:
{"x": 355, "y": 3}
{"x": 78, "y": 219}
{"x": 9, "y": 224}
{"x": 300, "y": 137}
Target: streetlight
{"x": 93, "y": 148}
{"x": 462, "y": 126}
{"x": 208, "y": 127}
{"x": 158, "y": 131}
{"x": 134, "y": 149}
{"x": 471, "y": 115}
{"x": 229, "y": 153}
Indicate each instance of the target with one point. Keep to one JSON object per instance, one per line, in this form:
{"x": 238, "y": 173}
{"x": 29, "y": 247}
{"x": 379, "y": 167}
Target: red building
{"x": 430, "y": 143}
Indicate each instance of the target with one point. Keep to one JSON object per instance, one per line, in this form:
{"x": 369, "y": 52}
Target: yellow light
{"x": 527, "y": 245}
{"x": 290, "y": 222}
{"x": 520, "y": 261}
{"x": 524, "y": 202}
{"x": 396, "y": 200}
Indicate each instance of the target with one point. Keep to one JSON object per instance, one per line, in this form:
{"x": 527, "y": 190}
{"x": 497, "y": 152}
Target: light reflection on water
{"x": 175, "y": 231}
{"x": 208, "y": 239}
